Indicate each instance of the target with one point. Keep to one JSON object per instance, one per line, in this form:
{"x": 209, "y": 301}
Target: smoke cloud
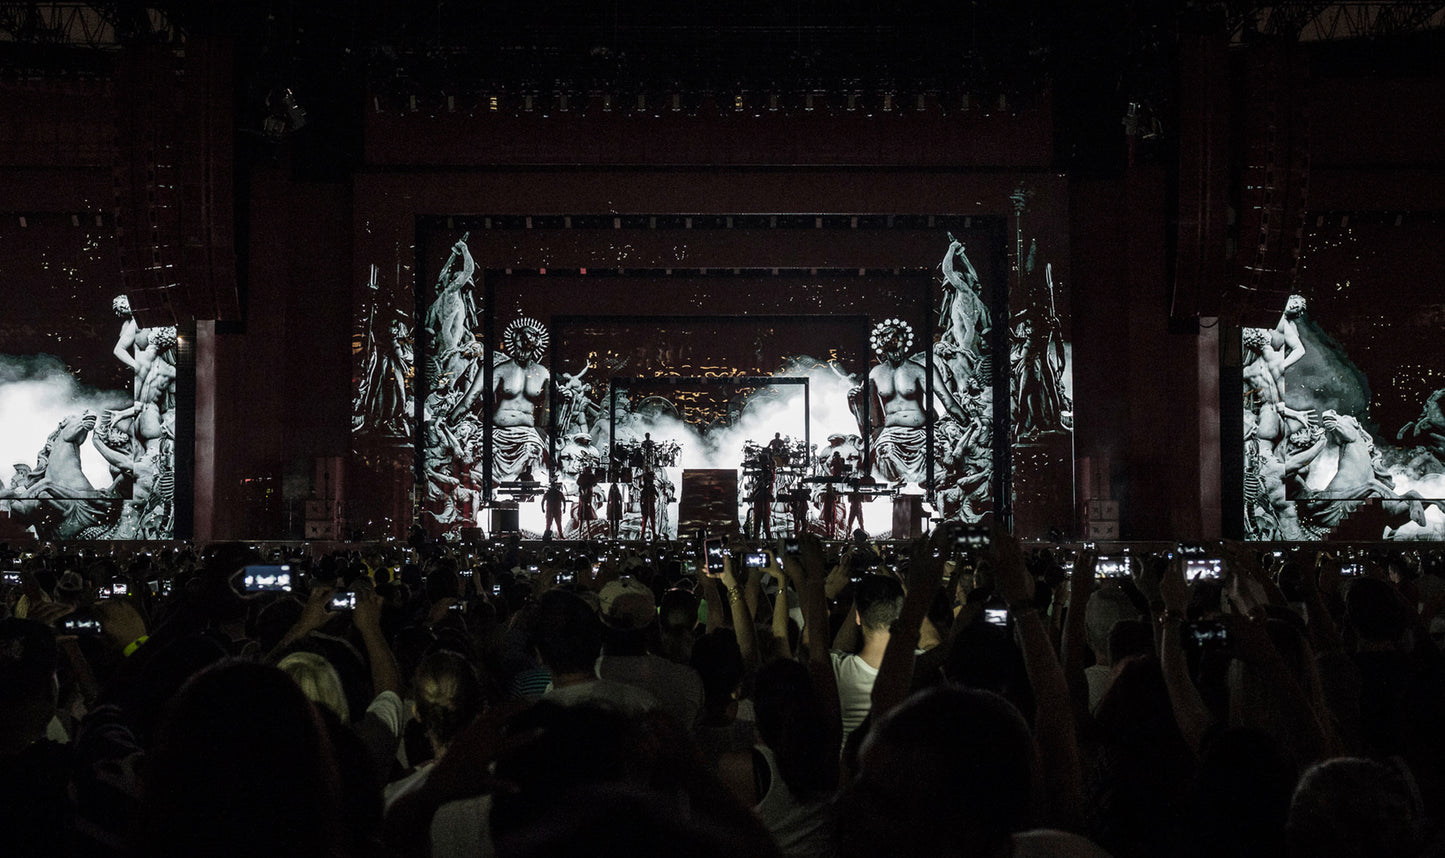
{"x": 36, "y": 393}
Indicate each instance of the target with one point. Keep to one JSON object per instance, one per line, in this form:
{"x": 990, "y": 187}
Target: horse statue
{"x": 56, "y": 499}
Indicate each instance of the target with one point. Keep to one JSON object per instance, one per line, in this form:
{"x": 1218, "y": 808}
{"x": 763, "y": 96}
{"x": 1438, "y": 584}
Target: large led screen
{"x": 1344, "y": 433}
{"x": 88, "y": 394}
{"x": 831, "y": 399}
{"x": 816, "y": 399}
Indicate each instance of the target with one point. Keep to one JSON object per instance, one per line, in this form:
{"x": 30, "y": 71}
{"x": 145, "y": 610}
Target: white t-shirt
{"x": 380, "y": 730}
{"x": 625, "y": 698}
{"x": 855, "y": 689}
{"x": 460, "y": 828}
{"x": 677, "y": 687}
{"x": 1099, "y": 677}
{"x": 799, "y": 828}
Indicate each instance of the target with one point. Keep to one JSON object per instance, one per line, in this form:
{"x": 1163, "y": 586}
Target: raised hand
{"x": 1012, "y": 580}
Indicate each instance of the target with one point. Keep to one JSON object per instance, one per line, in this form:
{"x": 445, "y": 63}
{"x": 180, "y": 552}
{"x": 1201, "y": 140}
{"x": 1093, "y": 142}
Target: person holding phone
{"x": 877, "y": 602}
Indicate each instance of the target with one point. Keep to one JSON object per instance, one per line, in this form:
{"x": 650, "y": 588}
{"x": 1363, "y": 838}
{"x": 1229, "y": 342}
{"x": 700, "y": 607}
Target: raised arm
{"x": 780, "y": 608}
{"x": 806, "y": 570}
{"x": 385, "y": 675}
{"x": 125, "y": 342}
{"x": 1190, "y": 713}
{"x": 1053, "y": 716}
{"x": 1074, "y": 643}
{"x": 742, "y": 615}
{"x": 895, "y": 673}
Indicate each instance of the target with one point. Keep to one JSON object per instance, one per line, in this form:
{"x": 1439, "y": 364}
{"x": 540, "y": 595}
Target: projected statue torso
{"x": 899, "y": 390}
{"x": 518, "y": 397}
{"x": 518, "y": 388}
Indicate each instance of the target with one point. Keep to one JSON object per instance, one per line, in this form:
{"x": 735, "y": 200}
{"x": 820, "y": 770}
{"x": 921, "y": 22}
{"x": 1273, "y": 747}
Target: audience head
{"x": 241, "y": 766}
{"x": 719, "y": 662}
{"x": 318, "y": 680}
{"x": 984, "y": 657}
{"x": 1352, "y": 808}
{"x": 443, "y": 582}
{"x": 879, "y": 599}
{"x": 567, "y": 633}
{"x": 1106, "y": 607}
{"x": 792, "y": 721}
{"x": 1241, "y": 794}
{"x": 448, "y": 696}
{"x": 676, "y": 619}
{"x": 949, "y": 772}
{"x": 1374, "y": 611}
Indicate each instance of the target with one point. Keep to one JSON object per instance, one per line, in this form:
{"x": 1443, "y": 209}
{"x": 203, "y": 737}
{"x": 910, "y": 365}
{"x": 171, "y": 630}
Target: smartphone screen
{"x": 80, "y": 625}
{"x": 11, "y": 577}
{"x": 345, "y": 601}
{"x": 715, "y": 552}
{"x": 996, "y": 616}
{"x": 972, "y": 536}
{"x": 1203, "y": 569}
{"x": 755, "y": 559}
{"x": 1112, "y": 567}
{"x": 1207, "y": 633}
{"x": 267, "y": 578}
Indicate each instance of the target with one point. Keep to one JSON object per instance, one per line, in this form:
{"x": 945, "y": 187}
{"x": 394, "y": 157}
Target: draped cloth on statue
{"x": 901, "y": 453}
{"x": 514, "y": 450}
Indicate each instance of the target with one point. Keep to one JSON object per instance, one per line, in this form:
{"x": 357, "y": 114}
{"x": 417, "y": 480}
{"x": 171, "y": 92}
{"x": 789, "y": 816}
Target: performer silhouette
{"x": 552, "y": 502}
{"x": 649, "y": 506}
{"x": 614, "y": 509}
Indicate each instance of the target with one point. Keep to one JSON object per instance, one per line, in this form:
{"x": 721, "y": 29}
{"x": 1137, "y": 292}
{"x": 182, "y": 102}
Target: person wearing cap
{"x": 629, "y": 639}
{"x": 567, "y": 637}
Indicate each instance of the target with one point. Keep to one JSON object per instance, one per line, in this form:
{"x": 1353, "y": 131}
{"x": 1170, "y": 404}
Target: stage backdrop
{"x": 1343, "y": 429}
{"x": 530, "y": 375}
{"x": 88, "y": 399}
